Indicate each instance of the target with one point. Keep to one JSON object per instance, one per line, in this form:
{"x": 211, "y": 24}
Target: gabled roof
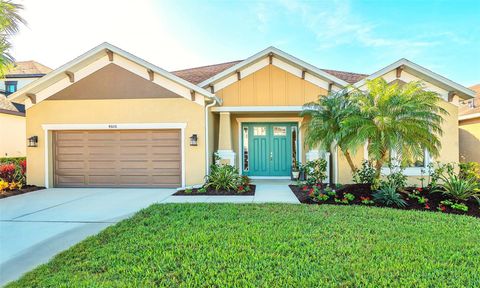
{"x": 349, "y": 77}
{"x": 24, "y": 69}
{"x": 422, "y": 73}
{"x": 90, "y": 57}
{"x": 199, "y": 74}
{"x": 277, "y": 53}
{"x": 8, "y": 107}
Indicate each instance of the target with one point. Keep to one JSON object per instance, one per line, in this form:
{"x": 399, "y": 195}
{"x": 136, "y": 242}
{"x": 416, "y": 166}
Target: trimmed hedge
{"x": 14, "y": 160}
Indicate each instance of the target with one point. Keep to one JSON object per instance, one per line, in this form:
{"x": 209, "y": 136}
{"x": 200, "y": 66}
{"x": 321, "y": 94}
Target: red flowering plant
{"x": 7, "y": 172}
{"x": 427, "y": 206}
{"x": 366, "y": 200}
{"x": 442, "y": 208}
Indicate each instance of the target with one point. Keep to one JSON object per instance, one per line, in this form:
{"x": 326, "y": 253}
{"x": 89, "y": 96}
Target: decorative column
{"x": 225, "y": 149}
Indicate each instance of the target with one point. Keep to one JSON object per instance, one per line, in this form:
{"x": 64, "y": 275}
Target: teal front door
{"x": 268, "y": 149}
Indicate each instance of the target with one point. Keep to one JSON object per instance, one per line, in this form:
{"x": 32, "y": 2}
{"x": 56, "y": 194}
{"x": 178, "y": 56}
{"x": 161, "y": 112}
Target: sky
{"x": 356, "y": 36}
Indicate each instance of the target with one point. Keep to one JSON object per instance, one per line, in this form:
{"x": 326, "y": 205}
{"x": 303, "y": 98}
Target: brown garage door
{"x": 120, "y": 158}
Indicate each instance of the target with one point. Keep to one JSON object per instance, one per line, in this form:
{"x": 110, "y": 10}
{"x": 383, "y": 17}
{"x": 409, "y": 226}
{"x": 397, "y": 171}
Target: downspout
{"x": 207, "y": 166}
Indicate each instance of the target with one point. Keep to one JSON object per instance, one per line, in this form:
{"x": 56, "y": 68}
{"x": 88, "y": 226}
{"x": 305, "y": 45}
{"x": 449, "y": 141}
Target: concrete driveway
{"x": 36, "y": 226}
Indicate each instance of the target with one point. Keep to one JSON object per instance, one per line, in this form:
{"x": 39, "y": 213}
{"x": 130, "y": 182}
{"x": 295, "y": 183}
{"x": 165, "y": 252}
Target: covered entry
{"x": 117, "y": 158}
{"x": 269, "y": 149}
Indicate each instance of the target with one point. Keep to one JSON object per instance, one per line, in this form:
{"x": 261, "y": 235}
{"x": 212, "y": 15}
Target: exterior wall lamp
{"x": 194, "y": 140}
{"x": 32, "y": 141}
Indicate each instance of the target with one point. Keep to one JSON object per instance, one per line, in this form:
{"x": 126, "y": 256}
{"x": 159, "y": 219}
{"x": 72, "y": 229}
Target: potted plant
{"x": 295, "y": 171}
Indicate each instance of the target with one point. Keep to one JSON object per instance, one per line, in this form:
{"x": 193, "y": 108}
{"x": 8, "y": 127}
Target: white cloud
{"x": 59, "y": 31}
{"x": 333, "y": 24}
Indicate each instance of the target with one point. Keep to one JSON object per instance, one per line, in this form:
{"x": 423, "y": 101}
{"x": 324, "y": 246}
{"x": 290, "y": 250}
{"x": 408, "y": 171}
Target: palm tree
{"x": 10, "y": 21}
{"x": 392, "y": 117}
{"x": 325, "y": 129}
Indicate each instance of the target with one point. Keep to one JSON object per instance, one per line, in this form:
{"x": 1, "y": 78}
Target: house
{"x": 111, "y": 119}
{"x": 12, "y": 115}
{"x": 469, "y": 124}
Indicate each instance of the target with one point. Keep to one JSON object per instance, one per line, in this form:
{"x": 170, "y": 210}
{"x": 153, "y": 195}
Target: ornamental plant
{"x": 316, "y": 171}
{"x": 387, "y": 195}
{"x": 7, "y": 172}
{"x": 391, "y": 117}
{"x": 366, "y": 200}
{"x": 454, "y": 186}
{"x": 364, "y": 175}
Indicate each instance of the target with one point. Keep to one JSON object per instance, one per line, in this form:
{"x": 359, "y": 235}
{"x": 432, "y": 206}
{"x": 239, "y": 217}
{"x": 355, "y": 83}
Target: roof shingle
{"x": 28, "y": 68}
{"x": 199, "y": 74}
{"x": 6, "y": 106}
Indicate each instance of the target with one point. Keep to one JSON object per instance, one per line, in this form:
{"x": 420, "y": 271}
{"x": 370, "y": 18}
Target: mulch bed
{"x": 213, "y": 192}
{"x": 363, "y": 190}
{"x": 25, "y": 189}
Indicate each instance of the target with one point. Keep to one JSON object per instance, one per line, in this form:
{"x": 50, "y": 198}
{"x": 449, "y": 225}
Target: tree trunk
{"x": 379, "y": 164}
{"x": 350, "y": 161}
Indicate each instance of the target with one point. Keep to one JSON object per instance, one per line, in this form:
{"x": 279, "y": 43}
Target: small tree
{"x": 325, "y": 128}
{"x": 406, "y": 119}
{"x": 10, "y": 22}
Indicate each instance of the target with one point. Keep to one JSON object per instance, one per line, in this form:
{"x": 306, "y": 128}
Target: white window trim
{"x": 408, "y": 171}
{"x": 122, "y": 126}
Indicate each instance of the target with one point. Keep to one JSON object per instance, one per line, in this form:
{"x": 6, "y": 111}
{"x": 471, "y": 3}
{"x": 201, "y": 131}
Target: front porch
{"x": 264, "y": 144}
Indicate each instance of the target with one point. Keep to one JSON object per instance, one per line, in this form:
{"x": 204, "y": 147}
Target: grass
{"x": 272, "y": 245}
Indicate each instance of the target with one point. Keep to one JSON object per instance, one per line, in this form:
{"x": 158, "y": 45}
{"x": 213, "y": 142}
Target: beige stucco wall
{"x": 469, "y": 135}
{"x": 118, "y": 111}
{"x": 13, "y": 142}
{"x": 270, "y": 86}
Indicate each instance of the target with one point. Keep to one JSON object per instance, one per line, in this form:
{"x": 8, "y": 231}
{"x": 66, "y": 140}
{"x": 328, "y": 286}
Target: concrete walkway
{"x": 267, "y": 191}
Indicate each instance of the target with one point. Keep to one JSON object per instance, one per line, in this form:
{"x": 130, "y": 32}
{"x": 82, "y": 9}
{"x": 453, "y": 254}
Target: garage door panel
{"x": 117, "y": 158}
{"x": 71, "y": 180}
{"x": 71, "y": 165}
{"x": 166, "y": 165}
{"x": 165, "y": 179}
{"x": 102, "y": 179}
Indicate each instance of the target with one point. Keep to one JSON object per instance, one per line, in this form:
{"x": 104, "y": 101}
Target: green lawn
{"x": 272, "y": 245}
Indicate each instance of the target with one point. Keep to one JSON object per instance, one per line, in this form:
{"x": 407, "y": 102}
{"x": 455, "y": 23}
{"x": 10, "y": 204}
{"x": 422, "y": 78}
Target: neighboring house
{"x": 469, "y": 124}
{"x": 111, "y": 119}
{"x": 12, "y": 115}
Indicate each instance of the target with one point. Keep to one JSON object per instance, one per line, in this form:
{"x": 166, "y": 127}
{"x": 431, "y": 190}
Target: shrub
{"x": 470, "y": 170}
{"x": 396, "y": 179}
{"x": 7, "y": 172}
{"x": 458, "y": 188}
{"x": 364, "y": 175}
{"x": 316, "y": 171}
{"x": 224, "y": 177}
{"x": 388, "y": 196}
{"x": 17, "y": 174}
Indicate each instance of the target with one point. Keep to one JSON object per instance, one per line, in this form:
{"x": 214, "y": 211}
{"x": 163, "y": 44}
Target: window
{"x": 294, "y": 146}
{"x": 279, "y": 131}
{"x": 245, "y": 148}
{"x": 259, "y": 131}
{"x": 412, "y": 167}
{"x": 10, "y": 87}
